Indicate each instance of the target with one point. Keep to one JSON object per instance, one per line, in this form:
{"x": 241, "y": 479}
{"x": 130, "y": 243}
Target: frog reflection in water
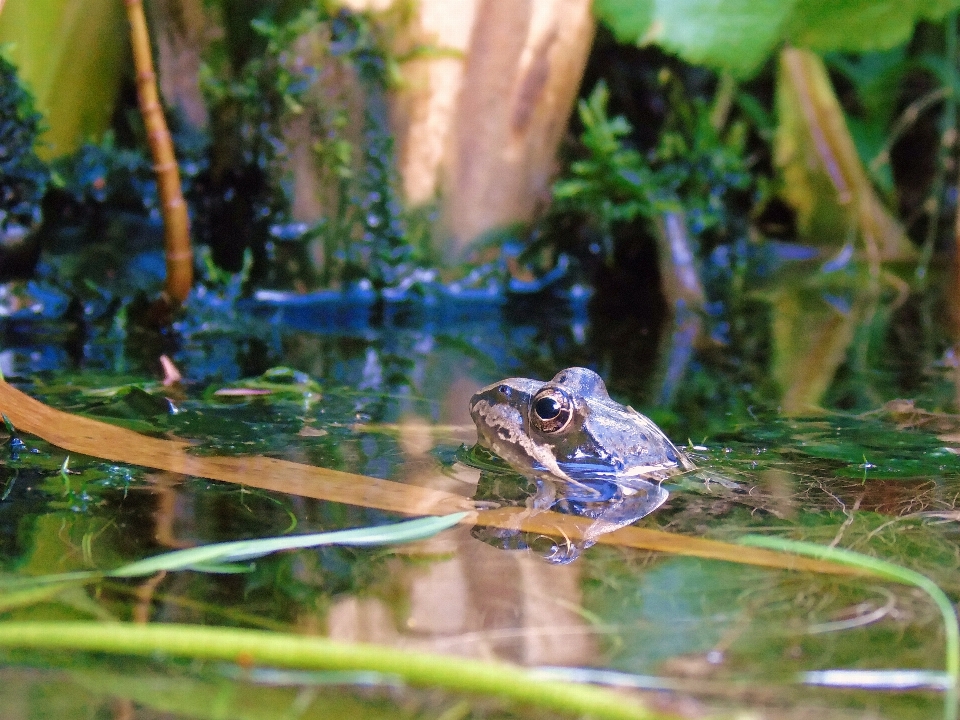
{"x": 601, "y": 459}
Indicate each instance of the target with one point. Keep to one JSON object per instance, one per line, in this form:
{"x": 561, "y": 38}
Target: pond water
{"x": 389, "y": 401}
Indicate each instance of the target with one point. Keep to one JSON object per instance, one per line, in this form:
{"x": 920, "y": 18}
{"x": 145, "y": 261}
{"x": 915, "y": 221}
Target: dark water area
{"x": 385, "y": 395}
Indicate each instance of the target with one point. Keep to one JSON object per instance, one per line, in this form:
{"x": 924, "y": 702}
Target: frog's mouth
{"x": 501, "y": 429}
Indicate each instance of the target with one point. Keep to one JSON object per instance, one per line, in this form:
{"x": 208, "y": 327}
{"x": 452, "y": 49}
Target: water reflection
{"x": 392, "y": 404}
{"x": 607, "y": 505}
{"x": 476, "y": 600}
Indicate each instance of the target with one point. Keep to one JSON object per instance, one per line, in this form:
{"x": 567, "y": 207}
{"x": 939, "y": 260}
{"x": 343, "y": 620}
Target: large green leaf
{"x": 859, "y": 25}
{"x": 71, "y": 55}
{"x": 738, "y": 35}
{"x": 732, "y": 34}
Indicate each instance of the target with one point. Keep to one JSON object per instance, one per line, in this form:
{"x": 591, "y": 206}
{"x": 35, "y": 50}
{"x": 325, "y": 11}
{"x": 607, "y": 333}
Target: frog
{"x": 589, "y": 455}
{"x": 570, "y": 430}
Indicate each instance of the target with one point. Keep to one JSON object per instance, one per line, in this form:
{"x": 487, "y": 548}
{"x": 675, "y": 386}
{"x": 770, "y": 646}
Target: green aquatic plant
{"x": 222, "y": 557}
{"x": 739, "y": 36}
{"x": 693, "y": 169}
{"x": 889, "y": 571}
{"x": 214, "y": 557}
{"x": 283, "y": 650}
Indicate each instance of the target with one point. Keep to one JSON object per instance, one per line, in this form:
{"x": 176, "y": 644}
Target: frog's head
{"x": 570, "y": 429}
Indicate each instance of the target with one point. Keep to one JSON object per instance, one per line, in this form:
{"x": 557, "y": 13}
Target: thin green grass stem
{"x": 888, "y": 571}
{"x": 257, "y": 647}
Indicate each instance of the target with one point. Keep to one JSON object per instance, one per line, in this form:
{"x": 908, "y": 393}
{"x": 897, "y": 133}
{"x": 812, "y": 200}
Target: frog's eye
{"x": 552, "y": 410}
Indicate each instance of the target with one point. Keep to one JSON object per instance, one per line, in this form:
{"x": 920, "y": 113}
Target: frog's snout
{"x": 475, "y": 408}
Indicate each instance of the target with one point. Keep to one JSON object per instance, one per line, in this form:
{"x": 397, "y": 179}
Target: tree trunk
{"x": 478, "y": 120}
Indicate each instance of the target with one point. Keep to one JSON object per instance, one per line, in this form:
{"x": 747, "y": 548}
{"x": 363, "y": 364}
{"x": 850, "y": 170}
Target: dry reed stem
{"x": 101, "y": 440}
{"x": 176, "y": 223}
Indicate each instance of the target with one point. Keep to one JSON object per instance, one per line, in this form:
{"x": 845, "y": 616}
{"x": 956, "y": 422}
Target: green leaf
{"x": 629, "y": 20}
{"x": 859, "y": 25}
{"x": 739, "y": 35}
{"x": 222, "y": 568}
{"x": 215, "y": 555}
{"x": 734, "y": 35}
{"x": 71, "y": 56}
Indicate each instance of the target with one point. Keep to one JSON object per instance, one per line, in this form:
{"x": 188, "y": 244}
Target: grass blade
{"x": 889, "y": 571}
{"x": 257, "y": 647}
{"x": 231, "y": 552}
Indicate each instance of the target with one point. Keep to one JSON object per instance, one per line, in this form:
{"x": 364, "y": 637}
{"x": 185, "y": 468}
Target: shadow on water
{"x": 384, "y": 393}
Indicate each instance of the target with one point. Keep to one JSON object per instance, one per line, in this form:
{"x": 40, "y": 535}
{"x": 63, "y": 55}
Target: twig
{"x": 176, "y": 224}
{"x": 678, "y": 270}
{"x": 907, "y": 120}
{"x": 723, "y": 101}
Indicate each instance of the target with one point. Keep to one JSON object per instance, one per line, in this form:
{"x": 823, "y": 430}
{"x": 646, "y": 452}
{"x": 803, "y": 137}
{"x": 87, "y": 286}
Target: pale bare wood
{"x": 97, "y": 439}
{"x": 478, "y": 120}
{"x": 424, "y": 107}
{"x": 521, "y": 75}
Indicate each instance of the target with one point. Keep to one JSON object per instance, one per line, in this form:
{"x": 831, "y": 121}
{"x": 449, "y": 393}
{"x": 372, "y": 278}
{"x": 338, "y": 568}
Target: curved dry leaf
{"x": 97, "y": 439}
{"x": 823, "y": 177}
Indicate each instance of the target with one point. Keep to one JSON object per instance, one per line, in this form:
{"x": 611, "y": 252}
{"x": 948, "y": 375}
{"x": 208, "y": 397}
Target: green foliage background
{"x": 739, "y": 35}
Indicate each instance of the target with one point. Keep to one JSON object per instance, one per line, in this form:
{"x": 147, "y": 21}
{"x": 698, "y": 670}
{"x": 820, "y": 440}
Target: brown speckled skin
{"x": 604, "y": 439}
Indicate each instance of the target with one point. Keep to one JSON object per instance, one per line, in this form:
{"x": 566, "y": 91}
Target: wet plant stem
{"x": 889, "y": 571}
{"x": 176, "y": 223}
{"x": 723, "y": 101}
{"x": 948, "y": 133}
{"x": 257, "y": 647}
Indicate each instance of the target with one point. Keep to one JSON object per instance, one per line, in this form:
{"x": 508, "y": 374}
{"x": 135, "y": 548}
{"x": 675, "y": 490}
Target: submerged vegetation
{"x": 752, "y": 235}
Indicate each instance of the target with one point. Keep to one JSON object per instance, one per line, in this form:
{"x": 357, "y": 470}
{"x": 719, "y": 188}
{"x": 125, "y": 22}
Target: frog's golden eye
{"x": 552, "y": 410}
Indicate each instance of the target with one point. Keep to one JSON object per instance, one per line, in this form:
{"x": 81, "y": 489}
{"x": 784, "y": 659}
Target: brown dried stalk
{"x": 86, "y": 436}
{"x": 176, "y": 224}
